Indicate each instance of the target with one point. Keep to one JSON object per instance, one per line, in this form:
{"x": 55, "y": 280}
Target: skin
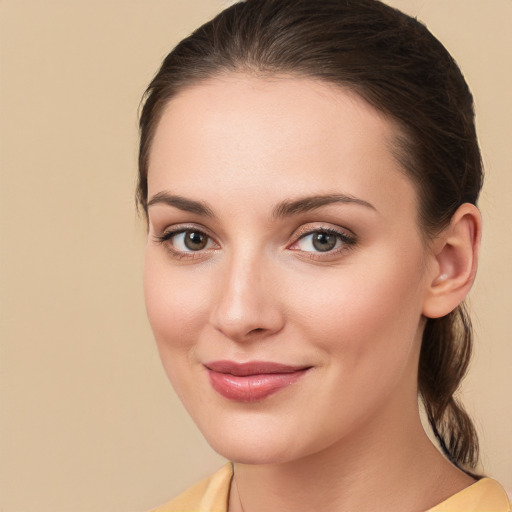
{"x": 260, "y": 290}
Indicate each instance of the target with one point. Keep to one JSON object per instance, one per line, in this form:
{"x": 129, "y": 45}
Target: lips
{"x": 252, "y": 381}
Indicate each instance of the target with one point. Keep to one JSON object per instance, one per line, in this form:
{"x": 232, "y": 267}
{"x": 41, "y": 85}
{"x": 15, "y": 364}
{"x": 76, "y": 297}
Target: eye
{"x": 190, "y": 241}
{"x": 323, "y": 240}
{"x": 182, "y": 242}
{"x": 319, "y": 241}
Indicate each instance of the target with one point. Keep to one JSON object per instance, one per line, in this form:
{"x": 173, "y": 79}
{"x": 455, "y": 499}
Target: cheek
{"x": 177, "y": 309}
{"x": 176, "y": 302}
{"x": 367, "y": 315}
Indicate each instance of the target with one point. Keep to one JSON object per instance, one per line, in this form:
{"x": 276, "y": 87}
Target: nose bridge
{"x": 245, "y": 300}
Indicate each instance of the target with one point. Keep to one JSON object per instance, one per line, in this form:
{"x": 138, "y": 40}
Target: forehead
{"x": 274, "y": 135}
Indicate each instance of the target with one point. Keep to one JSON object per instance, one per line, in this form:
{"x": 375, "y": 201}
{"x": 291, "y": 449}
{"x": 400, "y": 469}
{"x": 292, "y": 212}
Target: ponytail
{"x": 444, "y": 360}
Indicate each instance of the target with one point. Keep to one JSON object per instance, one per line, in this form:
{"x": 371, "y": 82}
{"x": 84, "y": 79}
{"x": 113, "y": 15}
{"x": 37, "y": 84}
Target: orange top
{"x": 211, "y": 495}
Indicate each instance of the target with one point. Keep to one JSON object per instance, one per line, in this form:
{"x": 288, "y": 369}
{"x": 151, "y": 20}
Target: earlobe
{"x": 454, "y": 262}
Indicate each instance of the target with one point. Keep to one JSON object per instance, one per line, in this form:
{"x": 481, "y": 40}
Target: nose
{"x": 246, "y": 306}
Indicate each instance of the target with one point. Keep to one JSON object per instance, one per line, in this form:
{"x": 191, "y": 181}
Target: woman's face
{"x": 285, "y": 272}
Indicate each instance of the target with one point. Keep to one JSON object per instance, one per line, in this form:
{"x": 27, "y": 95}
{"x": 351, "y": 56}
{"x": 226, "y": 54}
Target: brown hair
{"x": 393, "y": 62}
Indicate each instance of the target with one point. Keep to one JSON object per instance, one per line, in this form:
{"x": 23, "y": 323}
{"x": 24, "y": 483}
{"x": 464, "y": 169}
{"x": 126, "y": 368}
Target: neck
{"x": 406, "y": 472}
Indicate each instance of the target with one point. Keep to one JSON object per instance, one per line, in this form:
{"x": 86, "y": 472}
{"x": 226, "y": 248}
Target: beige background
{"x": 88, "y": 420}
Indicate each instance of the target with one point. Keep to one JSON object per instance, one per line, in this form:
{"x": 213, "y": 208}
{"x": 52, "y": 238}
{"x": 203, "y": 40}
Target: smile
{"x": 253, "y": 381}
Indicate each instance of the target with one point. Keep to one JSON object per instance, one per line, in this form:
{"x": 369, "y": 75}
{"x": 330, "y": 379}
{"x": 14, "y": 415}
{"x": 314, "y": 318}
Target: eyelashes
{"x": 319, "y": 242}
{"x": 186, "y": 242}
{"x": 322, "y": 240}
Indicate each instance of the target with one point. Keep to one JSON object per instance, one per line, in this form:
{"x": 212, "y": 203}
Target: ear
{"x": 454, "y": 262}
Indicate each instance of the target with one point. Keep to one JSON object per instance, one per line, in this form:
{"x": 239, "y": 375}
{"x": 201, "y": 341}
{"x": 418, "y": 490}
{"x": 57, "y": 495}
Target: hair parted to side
{"x": 394, "y": 63}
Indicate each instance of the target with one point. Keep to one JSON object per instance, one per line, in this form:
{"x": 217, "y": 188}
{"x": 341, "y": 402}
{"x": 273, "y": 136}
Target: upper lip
{"x": 252, "y": 368}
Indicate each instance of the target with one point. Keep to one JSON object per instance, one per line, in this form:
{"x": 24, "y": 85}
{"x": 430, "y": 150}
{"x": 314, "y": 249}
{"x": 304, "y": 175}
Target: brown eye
{"x": 195, "y": 240}
{"x": 186, "y": 241}
{"x": 324, "y": 241}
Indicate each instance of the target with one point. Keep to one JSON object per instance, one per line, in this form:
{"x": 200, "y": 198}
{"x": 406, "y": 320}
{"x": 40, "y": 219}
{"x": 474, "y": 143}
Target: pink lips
{"x": 253, "y": 381}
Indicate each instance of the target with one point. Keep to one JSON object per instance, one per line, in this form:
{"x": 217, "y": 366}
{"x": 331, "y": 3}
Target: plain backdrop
{"x": 88, "y": 421}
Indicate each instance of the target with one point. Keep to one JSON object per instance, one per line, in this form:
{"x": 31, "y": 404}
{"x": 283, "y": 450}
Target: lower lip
{"x": 252, "y": 388}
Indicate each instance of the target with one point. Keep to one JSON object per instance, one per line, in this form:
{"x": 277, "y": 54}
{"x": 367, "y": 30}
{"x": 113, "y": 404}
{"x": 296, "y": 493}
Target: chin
{"x": 247, "y": 440}
{"x": 254, "y": 441}
{"x": 252, "y": 453}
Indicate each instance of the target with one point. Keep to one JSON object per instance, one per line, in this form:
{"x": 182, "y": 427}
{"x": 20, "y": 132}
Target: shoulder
{"x": 486, "y": 495}
{"x": 209, "y": 495}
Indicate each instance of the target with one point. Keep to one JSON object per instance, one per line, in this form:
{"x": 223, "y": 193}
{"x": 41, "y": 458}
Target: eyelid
{"x": 173, "y": 229}
{"x": 309, "y": 228}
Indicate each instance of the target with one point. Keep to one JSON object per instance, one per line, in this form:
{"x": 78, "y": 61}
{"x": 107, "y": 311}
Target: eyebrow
{"x": 182, "y": 203}
{"x": 285, "y": 208}
{"x": 309, "y": 203}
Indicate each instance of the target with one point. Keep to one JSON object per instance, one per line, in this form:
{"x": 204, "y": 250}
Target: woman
{"x": 310, "y": 172}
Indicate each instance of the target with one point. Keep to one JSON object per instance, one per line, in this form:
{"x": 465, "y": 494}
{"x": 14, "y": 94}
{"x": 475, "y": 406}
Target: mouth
{"x": 252, "y": 381}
